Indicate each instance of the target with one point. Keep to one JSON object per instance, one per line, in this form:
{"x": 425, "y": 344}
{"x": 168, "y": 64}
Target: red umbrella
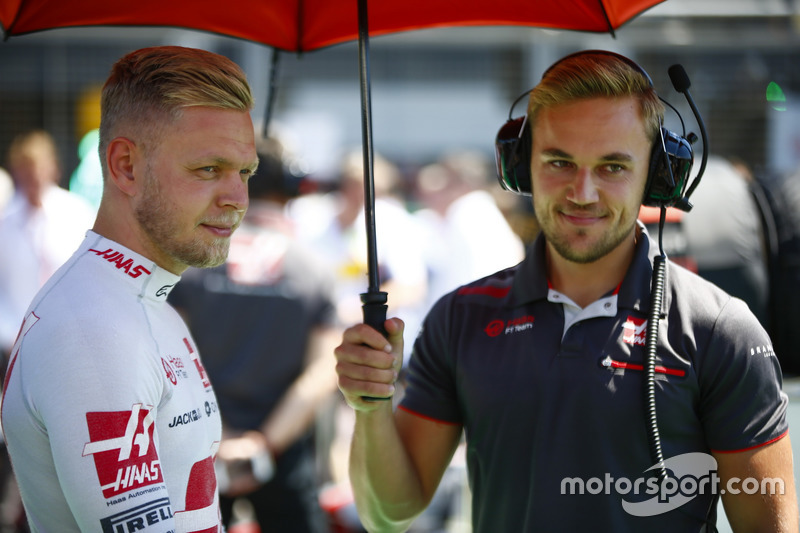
{"x": 304, "y": 25}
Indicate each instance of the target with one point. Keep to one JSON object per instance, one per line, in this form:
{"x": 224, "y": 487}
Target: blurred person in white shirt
{"x": 468, "y": 236}
{"x": 40, "y": 227}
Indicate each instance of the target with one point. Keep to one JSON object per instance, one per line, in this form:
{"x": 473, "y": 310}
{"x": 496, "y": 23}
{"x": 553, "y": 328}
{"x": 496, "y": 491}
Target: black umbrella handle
{"x": 374, "y": 310}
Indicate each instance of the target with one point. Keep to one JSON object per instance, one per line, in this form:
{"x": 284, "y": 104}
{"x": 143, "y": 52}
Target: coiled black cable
{"x": 651, "y": 343}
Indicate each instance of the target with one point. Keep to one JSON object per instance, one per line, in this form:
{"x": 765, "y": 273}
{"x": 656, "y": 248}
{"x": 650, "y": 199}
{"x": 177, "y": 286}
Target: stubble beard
{"x": 563, "y": 241}
{"x": 566, "y": 249}
{"x": 155, "y": 216}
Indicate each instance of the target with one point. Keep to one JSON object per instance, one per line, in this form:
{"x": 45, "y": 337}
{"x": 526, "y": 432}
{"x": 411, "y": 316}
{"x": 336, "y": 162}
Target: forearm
{"x": 297, "y": 410}
{"x": 387, "y": 489}
{"x": 764, "y": 510}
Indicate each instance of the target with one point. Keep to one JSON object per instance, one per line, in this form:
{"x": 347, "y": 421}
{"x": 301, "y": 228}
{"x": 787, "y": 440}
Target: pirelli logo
{"x": 138, "y": 518}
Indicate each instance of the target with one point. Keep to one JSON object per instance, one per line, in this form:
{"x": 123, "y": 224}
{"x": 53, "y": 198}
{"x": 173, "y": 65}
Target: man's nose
{"x": 584, "y": 189}
{"x": 235, "y": 192}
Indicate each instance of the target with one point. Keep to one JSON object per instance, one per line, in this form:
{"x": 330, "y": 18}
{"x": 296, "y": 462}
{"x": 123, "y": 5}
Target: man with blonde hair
{"x": 111, "y": 422}
{"x": 541, "y": 364}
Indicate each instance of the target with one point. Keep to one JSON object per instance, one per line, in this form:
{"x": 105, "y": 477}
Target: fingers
{"x": 367, "y": 364}
{"x": 394, "y": 328}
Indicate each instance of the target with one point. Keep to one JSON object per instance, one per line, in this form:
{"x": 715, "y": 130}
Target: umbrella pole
{"x": 273, "y": 82}
{"x": 374, "y": 301}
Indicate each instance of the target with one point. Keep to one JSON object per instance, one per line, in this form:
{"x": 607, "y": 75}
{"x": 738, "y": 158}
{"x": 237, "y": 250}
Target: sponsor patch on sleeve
{"x": 138, "y": 518}
{"x": 123, "y": 450}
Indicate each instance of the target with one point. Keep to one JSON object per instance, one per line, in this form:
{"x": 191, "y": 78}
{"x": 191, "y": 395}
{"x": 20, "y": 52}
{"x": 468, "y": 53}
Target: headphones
{"x": 671, "y": 157}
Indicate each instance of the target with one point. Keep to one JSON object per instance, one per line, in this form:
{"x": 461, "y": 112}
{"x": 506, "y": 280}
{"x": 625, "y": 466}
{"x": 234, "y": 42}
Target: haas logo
{"x": 634, "y": 331}
{"x": 117, "y": 259}
{"x": 200, "y": 368}
{"x": 514, "y": 325}
{"x": 122, "y": 446}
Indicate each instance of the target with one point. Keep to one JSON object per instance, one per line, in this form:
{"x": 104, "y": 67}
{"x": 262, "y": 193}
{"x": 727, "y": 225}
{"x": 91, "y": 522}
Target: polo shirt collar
{"x": 634, "y": 293}
{"x": 530, "y": 280}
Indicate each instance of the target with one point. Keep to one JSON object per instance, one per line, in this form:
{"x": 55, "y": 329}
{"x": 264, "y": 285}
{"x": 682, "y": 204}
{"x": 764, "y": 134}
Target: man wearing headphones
{"x": 542, "y": 365}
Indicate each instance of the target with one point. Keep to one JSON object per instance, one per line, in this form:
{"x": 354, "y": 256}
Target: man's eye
{"x": 614, "y": 168}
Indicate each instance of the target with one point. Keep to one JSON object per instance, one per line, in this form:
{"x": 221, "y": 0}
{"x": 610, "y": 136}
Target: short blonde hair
{"x": 150, "y": 87}
{"x": 593, "y": 74}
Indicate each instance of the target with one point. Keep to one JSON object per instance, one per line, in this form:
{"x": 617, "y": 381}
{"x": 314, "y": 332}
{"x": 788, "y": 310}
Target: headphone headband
{"x": 630, "y": 62}
{"x": 671, "y": 157}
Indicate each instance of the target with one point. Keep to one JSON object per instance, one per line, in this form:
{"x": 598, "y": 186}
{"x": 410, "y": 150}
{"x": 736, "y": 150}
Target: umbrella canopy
{"x": 303, "y": 25}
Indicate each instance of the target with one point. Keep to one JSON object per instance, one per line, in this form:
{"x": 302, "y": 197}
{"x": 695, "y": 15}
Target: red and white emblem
{"x": 634, "y": 331}
{"x": 123, "y": 449}
{"x": 200, "y": 369}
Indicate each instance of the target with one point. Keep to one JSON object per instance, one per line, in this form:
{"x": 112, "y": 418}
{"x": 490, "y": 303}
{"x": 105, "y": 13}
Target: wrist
{"x": 263, "y": 466}
{"x": 262, "y": 463}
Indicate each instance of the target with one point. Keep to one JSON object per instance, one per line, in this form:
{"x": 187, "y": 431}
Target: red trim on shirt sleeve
{"x": 8, "y": 377}
{"x": 436, "y": 420}
{"x": 779, "y": 437}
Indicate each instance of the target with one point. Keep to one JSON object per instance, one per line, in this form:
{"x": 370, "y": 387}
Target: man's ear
{"x": 121, "y": 156}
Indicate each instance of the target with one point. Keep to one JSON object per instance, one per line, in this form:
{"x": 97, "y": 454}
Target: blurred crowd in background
{"x": 268, "y": 320}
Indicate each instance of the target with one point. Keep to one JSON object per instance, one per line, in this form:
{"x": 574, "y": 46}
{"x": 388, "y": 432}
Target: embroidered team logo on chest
{"x": 175, "y": 369}
{"x": 634, "y": 331}
{"x": 197, "y": 364}
{"x": 515, "y": 325}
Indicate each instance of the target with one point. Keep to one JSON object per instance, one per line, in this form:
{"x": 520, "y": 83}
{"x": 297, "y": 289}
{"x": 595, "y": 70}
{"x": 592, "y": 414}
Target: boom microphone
{"x": 680, "y": 81}
{"x": 679, "y": 78}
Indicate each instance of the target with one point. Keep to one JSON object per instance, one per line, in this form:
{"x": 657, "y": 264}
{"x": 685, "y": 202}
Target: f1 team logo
{"x": 123, "y": 450}
{"x": 634, "y": 331}
{"x": 200, "y": 369}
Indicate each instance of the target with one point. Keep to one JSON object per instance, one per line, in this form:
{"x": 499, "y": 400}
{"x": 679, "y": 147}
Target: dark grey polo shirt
{"x": 540, "y": 404}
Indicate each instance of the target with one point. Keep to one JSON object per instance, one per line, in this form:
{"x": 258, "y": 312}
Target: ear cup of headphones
{"x": 670, "y": 164}
{"x": 513, "y": 155}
